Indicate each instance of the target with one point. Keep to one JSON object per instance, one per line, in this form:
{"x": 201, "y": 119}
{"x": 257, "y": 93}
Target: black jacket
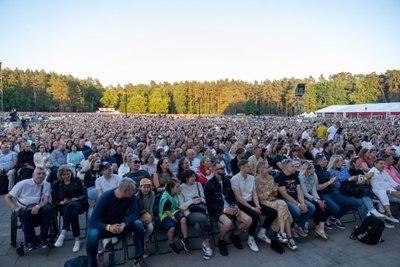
{"x": 323, "y": 177}
{"x": 213, "y": 194}
{"x": 60, "y": 191}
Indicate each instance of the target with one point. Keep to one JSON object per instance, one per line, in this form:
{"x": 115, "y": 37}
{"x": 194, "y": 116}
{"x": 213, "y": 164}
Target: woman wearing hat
{"x": 146, "y": 199}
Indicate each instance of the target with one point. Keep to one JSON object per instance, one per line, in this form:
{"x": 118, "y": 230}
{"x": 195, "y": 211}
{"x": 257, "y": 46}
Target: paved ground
{"x": 338, "y": 251}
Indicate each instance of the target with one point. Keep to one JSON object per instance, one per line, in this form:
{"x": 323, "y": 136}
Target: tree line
{"x": 29, "y": 90}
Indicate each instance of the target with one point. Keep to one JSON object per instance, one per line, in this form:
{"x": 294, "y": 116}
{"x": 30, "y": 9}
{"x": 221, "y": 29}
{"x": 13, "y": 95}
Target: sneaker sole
{"x": 391, "y": 220}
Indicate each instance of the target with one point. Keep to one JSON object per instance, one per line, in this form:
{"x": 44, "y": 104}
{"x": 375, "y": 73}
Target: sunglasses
{"x": 136, "y": 161}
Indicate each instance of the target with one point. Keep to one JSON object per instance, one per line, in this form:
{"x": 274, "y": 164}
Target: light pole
{"x": 1, "y": 92}
{"x": 126, "y": 104}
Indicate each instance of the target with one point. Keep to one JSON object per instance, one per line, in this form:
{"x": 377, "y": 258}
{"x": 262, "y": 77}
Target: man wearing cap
{"x": 135, "y": 173}
{"x": 115, "y": 213}
{"x": 107, "y": 181}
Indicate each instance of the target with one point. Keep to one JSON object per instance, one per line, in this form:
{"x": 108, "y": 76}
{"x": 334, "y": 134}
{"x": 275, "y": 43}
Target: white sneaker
{"x": 264, "y": 238}
{"x": 252, "y": 244}
{"x": 391, "y": 218}
{"x": 60, "y": 241}
{"x": 114, "y": 240}
{"x": 389, "y": 224}
{"x": 77, "y": 246}
{"x": 105, "y": 242}
{"x": 375, "y": 213}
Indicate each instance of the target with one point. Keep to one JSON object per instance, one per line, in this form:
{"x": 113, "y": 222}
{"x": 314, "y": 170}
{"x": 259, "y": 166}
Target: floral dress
{"x": 267, "y": 196}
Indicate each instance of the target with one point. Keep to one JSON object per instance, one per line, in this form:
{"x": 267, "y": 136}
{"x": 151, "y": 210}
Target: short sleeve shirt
{"x": 6, "y": 160}
{"x": 107, "y": 184}
{"x": 289, "y": 182}
{"x": 246, "y": 186}
{"x": 28, "y": 192}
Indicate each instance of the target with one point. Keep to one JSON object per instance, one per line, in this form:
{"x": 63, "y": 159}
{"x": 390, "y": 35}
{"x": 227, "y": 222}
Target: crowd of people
{"x": 144, "y": 171}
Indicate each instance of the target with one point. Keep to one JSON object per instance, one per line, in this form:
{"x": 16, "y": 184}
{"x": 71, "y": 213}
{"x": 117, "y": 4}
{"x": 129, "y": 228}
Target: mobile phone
{"x": 360, "y": 177}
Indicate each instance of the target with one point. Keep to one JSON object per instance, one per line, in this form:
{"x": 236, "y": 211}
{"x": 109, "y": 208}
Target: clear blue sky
{"x": 138, "y": 41}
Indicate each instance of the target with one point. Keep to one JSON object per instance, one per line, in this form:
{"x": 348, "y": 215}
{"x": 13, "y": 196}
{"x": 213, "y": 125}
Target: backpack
{"x": 3, "y": 184}
{"x": 370, "y": 231}
{"x": 81, "y": 261}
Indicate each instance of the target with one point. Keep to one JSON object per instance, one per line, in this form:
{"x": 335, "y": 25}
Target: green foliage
{"x": 110, "y": 98}
{"x": 250, "y": 107}
{"x": 28, "y": 90}
{"x": 159, "y": 101}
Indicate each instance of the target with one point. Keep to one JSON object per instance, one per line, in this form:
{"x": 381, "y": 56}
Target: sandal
{"x": 323, "y": 235}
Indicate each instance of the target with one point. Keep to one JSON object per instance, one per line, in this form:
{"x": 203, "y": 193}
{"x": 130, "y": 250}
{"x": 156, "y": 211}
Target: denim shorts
{"x": 169, "y": 223}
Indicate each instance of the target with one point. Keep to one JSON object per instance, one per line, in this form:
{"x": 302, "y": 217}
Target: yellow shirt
{"x": 322, "y": 132}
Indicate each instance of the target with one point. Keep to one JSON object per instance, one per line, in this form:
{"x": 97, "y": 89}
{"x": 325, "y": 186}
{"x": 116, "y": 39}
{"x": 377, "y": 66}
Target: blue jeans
{"x": 91, "y": 192}
{"x": 28, "y": 221}
{"x": 70, "y": 213}
{"x": 95, "y": 234}
{"x": 339, "y": 204}
{"x": 298, "y": 217}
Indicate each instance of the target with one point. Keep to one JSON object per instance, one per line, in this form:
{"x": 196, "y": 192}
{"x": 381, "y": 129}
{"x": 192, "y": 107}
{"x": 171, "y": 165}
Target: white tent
{"x": 380, "y": 109}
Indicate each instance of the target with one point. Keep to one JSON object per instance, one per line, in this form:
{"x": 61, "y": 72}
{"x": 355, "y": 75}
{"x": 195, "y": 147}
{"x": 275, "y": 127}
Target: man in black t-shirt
{"x": 290, "y": 191}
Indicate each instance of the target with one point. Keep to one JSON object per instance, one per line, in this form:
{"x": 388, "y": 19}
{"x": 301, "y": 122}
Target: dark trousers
{"x": 270, "y": 214}
{"x": 70, "y": 213}
{"x": 29, "y": 221}
{"x": 95, "y": 234}
{"x": 319, "y": 215}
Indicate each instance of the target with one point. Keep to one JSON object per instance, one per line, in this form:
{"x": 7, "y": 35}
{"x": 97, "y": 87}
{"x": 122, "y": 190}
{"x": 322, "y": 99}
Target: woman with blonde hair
{"x": 205, "y": 171}
{"x": 267, "y": 192}
{"x": 124, "y": 167}
{"x": 308, "y": 181}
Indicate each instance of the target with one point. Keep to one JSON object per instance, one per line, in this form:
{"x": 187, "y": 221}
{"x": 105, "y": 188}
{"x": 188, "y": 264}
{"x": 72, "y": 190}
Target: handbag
{"x": 277, "y": 245}
{"x": 201, "y": 207}
{"x": 146, "y": 218}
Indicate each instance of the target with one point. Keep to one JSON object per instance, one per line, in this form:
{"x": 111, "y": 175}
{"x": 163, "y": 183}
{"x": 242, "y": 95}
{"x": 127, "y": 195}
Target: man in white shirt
{"x": 8, "y": 164}
{"x": 332, "y": 130}
{"x": 243, "y": 185}
{"x": 385, "y": 188}
{"x": 30, "y": 200}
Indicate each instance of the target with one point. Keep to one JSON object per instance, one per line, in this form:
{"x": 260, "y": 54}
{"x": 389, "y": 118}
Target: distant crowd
{"x": 174, "y": 171}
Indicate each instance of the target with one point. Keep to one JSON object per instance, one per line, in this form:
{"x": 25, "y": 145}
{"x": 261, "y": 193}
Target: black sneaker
{"x": 223, "y": 249}
{"x": 236, "y": 241}
{"x": 42, "y": 243}
{"x": 291, "y": 244}
{"x": 185, "y": 244}
{"x": 338, "y": 224}
{"x": 139, "y": 263}
{"x": 328, "y": 224}
{"x": 174, "y": 248}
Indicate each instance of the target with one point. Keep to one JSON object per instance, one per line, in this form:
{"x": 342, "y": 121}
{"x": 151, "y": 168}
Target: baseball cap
{"x": 145, "y": 181}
